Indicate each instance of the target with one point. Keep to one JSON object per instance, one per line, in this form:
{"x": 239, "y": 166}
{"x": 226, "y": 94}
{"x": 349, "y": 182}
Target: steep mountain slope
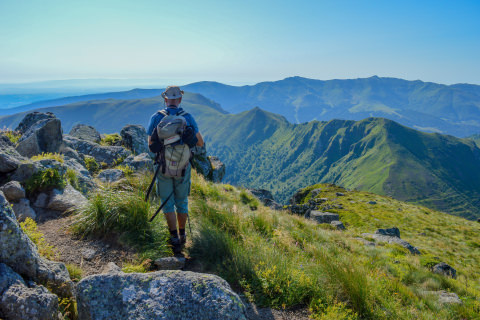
{"x": 425, "y": 106}
{"x": 375, "y": 154}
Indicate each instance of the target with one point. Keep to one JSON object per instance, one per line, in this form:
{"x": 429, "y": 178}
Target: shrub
{"x": 126, "y": 170}
{"x": 44, "y": 180}
{"x": 54, "y": 156}
{"x": 29, "y": 226}
{"x": 91, "y": 164}
{"x": 113, "y": 139}
{"x": 142, "y": 267}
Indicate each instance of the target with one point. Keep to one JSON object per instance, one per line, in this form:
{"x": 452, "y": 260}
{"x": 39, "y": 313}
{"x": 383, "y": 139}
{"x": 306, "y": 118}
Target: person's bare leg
{"x": 182, "y": 220}
{"x": 171, "y": 221}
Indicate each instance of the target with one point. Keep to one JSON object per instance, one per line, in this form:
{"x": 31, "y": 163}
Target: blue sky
{"x": 239, "y": 41}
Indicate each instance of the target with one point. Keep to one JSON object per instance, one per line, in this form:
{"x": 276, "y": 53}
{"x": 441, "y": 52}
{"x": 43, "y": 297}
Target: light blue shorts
{"x": 179, "y": 200}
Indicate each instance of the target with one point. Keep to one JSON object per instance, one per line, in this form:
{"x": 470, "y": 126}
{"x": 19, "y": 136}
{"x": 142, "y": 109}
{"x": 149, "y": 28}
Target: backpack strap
{"x": 164, "y": 112}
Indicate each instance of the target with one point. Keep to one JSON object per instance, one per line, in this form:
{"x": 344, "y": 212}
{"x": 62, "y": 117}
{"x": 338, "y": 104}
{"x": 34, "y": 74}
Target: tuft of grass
{"x": 248, "y": 199}
{"x": 113, "y": 139}
{"x": 29, "y": 226}
{"x": 121, "y": 210}
{"x": 68, "y": 308}
{"x": 45, "y": 179}
{"x": 48, "y": 155}
{"x": 74, "y": 271}
{"x": 13, "y": 136}
{"x": 142, "y": 267}
{"x": 126, "y": 170}
{"x": 72, "y": 178}
{"x": 91, "y": 164}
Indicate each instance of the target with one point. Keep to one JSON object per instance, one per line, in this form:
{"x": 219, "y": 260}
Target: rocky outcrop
{"x": 338, "y": 225}
{"x": 84, "y": 132}
{"x": 324, "y": 217}
{"x": 135, "y": 138}
{"x": 444, "y": 269}
{"x": 266, "y": 198}
{"x": 208, "y": 166}
{"x": 106, "y": 154}
{"x": 19, "y": 253}
{"x": 9, "y": 157}
{"x": 66, "y": 200}
{"x": 141, "y": 162}
{"x": 43, "y": 136}
{"x": 157, "y": 295}
{"x": 13, "y": 191}
{"x": 23, "y": 210}
{"x": 20, "y": 300}
{"x": 170, "y": 263}
{"x": 31, "y": 118}
{"x": 391, "y": 235}
{"x": 110, "y": 175}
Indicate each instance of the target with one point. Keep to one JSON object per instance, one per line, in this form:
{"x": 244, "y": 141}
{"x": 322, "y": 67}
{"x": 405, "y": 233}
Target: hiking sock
{"x": 183, "y": 238}
{"x": 174, "y": 233}
{"x": 182, "y": 232}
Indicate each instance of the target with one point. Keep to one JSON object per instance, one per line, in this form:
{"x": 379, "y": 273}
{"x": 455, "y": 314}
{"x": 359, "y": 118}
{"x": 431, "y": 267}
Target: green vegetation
{"x": 53, "y": 156}
{"x": 282, "y": 260}
{"x": 141, "y": 267}
{"x": 44, "y": 180}
{"x": 72, "y": 178}
{"x": 126, "y": 170}
{"x": 91, "y": 164}
{"x": 74, "y": 271}
{"x": 121, "y": 210}
{"x": 13, "y": 136}
{"x": 113, "y": 139}
{"x": 29, "y": 226}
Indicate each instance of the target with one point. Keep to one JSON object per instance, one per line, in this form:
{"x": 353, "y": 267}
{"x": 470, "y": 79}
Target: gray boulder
{"x": 25, "y": 170}
{"x": 170, "y": 263}
{"x": 23, "y": 210}
{"x": 13, "y": 190}
{"x": 391, "y": 236}
{"x": 107, "y": 154}
{"x": 84, "y": 132}
{"x": 445, "y": 297}
{"x": 8, "y": 162}
{"x": 66, "y": 200}
{"x": 141, "y": 162}
{"x": 444, "y": 269}
{"x": 110, "y": 175}
{"x": 135, "y": 138}
{"x": 41, "y": 201}
{"x": 84, "y": 177}
{"x": 157, "y": 295}
{"x": 338, "y": 224}
{"x": 111, "y": 267}
{"x": 324, "y": 217}
{"x": 393, "y": 232}
{"x": 69, "y": 153}
{"x": 266, "y": 198}
{"x": 19, "y": 253}
{"x": 31, "y": 118}
{"x": 20, "y": 301}
{"x": 43, "y": 136}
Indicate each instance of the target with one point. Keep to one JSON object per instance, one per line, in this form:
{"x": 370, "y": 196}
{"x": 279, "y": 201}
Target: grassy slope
{"x": 282, "y": 260}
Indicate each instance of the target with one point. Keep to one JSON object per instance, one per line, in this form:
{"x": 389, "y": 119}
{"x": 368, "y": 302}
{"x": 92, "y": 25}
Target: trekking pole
{"x": 160, "y": 208}
{"x": 152, "y": 183}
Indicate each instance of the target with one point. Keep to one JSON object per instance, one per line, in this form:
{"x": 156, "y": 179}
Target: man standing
{"x": 180, "y": 187}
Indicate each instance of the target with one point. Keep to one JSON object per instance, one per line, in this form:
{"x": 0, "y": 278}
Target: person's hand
{"x": 189, "y": 137}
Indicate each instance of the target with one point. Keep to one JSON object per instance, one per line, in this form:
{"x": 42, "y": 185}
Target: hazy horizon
{"x": 242, "y": 42}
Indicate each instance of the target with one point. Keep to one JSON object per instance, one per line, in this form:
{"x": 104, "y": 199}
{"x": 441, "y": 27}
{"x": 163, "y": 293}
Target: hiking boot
{"x": 183, "y": 239}
{"x": 176, "y": 244}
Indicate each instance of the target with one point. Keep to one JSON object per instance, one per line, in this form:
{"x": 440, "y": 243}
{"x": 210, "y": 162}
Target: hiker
{"x": 174, "y": 177}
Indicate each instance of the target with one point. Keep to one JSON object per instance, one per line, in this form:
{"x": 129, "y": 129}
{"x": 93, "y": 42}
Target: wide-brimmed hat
{"x": 172, "y": 92}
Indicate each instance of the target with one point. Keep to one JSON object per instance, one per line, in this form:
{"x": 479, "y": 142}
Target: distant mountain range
{"x": 264, "y": 150}
{"x": 425, "y": 106}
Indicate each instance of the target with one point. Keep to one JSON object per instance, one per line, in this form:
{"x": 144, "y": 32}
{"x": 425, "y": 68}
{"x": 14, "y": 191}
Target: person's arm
{"x": 200, "y": 142}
